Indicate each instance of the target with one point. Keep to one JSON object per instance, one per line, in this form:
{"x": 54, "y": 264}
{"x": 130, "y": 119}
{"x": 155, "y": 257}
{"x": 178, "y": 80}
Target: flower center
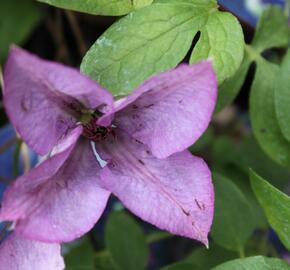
{"x": 94, "y": 132}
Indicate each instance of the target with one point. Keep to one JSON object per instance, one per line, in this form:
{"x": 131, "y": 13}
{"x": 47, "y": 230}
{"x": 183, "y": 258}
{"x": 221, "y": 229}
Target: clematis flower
{"x": 134, "y": 148}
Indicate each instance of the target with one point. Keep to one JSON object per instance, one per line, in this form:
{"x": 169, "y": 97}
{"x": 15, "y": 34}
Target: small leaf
{"x": 221, "y": 41}
{"x": 263, "y": 117}
{"x": 272, "y": 30}
{"x": 126, "y": 242}
{"x": 17, "y": 20}
{"x": 145, "y": 42}
{"x": 257, "y": 263}
{"x": 282, "y": 96}
{"x": 276, "y": 206}
{"x": 230, "y": 88}
{"x": 233, "y": 220}
{"x": 81, "y": 257}
{"x": 100, "y": 7}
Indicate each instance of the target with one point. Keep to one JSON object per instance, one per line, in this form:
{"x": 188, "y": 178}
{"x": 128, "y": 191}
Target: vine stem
{"x": 241, "y": 252}
{"x": 77, "y": 32}
{"x": 16, "y": 158}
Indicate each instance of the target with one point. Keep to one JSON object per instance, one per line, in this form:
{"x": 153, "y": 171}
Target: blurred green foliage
{"x": 18, "y": 18}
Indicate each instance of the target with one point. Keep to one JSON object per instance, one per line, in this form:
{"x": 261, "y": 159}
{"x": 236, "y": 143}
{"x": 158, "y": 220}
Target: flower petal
{"x": 18, "y": 253}
{"x": 63, "y": 206}
{"x": 170, "y": 112}
{"x": 175, "y": 194}
{"x": 22, "y": 195}
{"x": 42, "y": 96}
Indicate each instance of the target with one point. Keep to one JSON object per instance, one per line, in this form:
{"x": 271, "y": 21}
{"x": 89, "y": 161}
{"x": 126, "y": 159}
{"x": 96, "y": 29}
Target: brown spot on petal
{"x": 23, "y": 106}
{"x": 200, "y": 205}
{"x": 141, "y": 162}
{"x": 26, "y": 103}
{"x": 62, "y": 184}
{"x": 148, "y": 106}
{"x": 185, "y": 212}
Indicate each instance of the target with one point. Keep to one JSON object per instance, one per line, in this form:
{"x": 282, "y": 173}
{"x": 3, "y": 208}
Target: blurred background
{"x": 65, "y": 36}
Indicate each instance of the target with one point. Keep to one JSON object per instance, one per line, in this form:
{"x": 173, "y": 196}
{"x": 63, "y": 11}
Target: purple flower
{"x": 134, "y": 148}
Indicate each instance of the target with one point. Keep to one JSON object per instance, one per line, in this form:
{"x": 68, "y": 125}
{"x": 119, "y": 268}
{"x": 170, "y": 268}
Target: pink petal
{"x": 59, "y": 206}
{"x": 170, "y": 111}
{"x": 17, "y": 253}
{"x": 14, "y": 206}
{"x": 42, "y": 97}
{"x": 175, "y": 194}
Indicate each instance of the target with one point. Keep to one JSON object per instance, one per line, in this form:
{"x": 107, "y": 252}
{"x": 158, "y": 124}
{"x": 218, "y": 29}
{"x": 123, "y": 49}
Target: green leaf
{"x": 233, "y": 219}
{"x": 276, "y": 206}
{"x": 272, "y": 30}
{"x": 230, "y": 88}
{"x": 100, "y": 7}
{"x": 250, "y": 155}
{"x": 224, "y": 144}
{"x": 221, "y": 41}
{"x": 126, "y": 242}
{"x": 81, "y": 257}
{"x": 143, "y": 43}
{"x": 17, "y": 19}
{"x": 179, "y": 266}
{"x": 241, "y": 179}
{"x": 205, "y": 258}
{"x": 282, "y": 96}
{"x": 254, "y": 263}
{"x": 204, "y": 141}
{"x": 247, "y": 154}
{"x": 263, "y": 117}
{"x": 103, "y": 261}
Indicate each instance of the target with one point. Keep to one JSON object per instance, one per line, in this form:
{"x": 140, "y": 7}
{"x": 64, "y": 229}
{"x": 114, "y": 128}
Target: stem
{"x": 264, "y": 245}
{"x": 24, "y": 151}
{"x": 241, "y": 252}
{"x": 77, "y": 32}
{"x": 254, "y": 54}
{"x": 55, "y": 27}
{"x": 16, "y": 158}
